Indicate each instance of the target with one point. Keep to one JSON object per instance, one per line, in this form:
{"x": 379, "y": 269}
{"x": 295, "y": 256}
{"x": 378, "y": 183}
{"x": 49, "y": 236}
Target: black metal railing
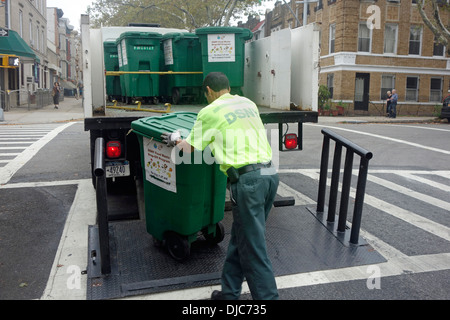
{"x": 102, "y": 206}
{"x": 365, "y": 156}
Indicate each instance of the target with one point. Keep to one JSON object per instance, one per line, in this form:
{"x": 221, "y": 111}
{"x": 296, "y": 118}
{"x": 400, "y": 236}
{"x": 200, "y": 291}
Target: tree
{"x": 184, "y": 14}
{"x": 434, "y": 8}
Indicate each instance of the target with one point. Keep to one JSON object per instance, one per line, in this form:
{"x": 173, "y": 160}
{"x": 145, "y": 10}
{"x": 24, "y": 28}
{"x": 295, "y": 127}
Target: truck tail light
{"x": 113, "y": 149}
{"x": 290, "y": 141}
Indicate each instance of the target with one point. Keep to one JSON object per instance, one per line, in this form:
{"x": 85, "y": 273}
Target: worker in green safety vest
{"x": 231, "y": 126}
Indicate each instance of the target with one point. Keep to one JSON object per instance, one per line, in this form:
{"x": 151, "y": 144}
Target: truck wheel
{"x": 218, "y": 237}
{"x": 177, "y": 245}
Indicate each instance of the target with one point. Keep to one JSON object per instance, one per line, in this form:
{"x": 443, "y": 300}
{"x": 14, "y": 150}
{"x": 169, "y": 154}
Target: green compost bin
{"x": 223, "y": 50}
{"x": 139, "y": 51}
{"x": 182, "y": 53}
{"x": 113, "y": 88}
{"x": 185, "y": 197}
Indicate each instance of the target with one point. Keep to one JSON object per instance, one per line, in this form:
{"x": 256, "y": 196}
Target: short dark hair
{"x": 217, "y": 81}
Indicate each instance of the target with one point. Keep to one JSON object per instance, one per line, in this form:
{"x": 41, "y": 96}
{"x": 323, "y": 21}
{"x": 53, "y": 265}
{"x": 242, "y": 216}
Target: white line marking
{"x": 16, "y": 142}
{"x": 411, "y": 193}
{"x": 417, "y": 127}
{"x": 14, "y": 138}
{"x": 11, "y": 168}
{"x": 395, "y": 211}
{"x": 9, "y": 154}
{"x": 11, "y": 148}
{"x": 41, "y": 184}
{"x": 431, "y": 183}
{"x": 384, "y": 137}
{"x": 73, "y": 246}
{"x": 300, "y": 199}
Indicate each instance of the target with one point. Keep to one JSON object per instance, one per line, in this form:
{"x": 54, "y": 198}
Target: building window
{"x": 37, "y": 39}
{"x": 330, "y": 83}
{"x": 412, "y": 88}
{"x": 387, "y": 84}
{"x": 436, "y": 90}
{"x": 319, "y": 5}
{"x": 332, "y": 37}
{"x": 390, "y": 38}
{"x": 31, "y": 32}
{"x": 415, "y": 39}
{"x": 364, "y": 37}
{"x": 438, "y": 48}
{"x": 21, "y": 23}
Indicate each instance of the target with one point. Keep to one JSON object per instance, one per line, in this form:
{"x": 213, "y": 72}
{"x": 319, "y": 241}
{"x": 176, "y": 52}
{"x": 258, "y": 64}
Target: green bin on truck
{"x": 139, "y": 52}
{"x": 182, "y": 53}
{"x": 113, "y": 88}
{"x": 182, "y": 197}
{"x": 223, "y": 50}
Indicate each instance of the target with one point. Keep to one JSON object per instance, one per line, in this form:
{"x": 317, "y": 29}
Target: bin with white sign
{"x": 138, "y": 54}
{"x": 184, "y": 193}
{"x": 182, "y": 53}
{"x": 223, "y": 50}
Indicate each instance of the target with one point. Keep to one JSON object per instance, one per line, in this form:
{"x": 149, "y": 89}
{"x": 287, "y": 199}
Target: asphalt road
{"x": 46, "y": 191}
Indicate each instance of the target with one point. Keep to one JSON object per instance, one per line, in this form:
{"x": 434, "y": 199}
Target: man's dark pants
{"x": 252, "y": 198}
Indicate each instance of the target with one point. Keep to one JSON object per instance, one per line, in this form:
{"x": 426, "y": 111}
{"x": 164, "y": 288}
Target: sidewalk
{"x": 71, "y": 109}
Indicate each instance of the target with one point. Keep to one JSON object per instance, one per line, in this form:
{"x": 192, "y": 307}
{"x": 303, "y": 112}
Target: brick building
{"x": 360, "y": 61}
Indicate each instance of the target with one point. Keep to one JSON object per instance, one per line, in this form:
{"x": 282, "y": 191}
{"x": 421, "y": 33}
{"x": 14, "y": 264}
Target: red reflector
{"x": 290, "y": 141}
{"x": 113, "y": 149}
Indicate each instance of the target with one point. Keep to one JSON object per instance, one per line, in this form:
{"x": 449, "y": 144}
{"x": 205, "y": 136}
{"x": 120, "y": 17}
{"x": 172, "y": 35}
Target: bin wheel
{"x": 178, "y": 246}
{"x": 218, "y": 237}
{"x": 175, "y": 96}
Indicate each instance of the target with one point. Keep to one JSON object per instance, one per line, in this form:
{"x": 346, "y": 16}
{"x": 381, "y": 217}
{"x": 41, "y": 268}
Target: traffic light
{"x": 10, "y": 61}
{"x": 13, "y": 61}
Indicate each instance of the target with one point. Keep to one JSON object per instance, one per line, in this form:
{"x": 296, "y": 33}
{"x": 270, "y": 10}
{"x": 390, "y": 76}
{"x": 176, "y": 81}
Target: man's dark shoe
{"x": 216, "y": 295}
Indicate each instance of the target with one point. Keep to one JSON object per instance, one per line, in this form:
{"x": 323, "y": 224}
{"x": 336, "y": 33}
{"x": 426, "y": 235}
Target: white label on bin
{"x": 159, "y": 168}
{"x": 119, "y": 54}
{"x": 124, "y": 53}
{"x": 168, "y": 53}
{"x": 221, "y": 47}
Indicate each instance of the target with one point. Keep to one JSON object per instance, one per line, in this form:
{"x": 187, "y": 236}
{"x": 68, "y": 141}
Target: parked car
{"x": 445, "y": 112}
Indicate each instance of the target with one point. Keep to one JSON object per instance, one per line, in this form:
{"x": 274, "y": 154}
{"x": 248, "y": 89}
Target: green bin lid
{"x": 138, "y": 35}
{"x": 108, "y": 44}
{"x": 242, "y": 32}
{"x": 154, "y": 127}
{"x": 177, "y": 36}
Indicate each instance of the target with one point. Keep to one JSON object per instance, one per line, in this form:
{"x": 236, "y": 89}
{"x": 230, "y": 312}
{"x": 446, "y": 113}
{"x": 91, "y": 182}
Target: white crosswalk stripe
{"x": 404, "y": 214}
{"x": 20, "y": 143}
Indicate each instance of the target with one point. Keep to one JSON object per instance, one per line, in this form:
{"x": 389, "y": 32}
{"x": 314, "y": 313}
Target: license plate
{"x": 117, "y": 169}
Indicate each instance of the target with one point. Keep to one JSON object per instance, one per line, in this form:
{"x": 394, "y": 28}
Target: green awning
{"x": 14, "y": 44}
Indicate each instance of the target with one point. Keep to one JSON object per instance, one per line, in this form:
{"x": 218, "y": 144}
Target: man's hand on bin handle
{"x": 171, "y": 138}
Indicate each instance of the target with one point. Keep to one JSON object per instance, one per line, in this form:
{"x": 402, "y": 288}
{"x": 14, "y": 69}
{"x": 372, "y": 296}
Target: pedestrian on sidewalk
{"x": 393, "y": 104}
{"x": 55, "y": 93}
{"x": 388, "y": 104}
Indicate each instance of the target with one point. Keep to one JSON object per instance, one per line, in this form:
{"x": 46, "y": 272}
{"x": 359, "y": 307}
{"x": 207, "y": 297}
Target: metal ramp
{"x": 297, "y": 242}
{"x": 299, "y": 238}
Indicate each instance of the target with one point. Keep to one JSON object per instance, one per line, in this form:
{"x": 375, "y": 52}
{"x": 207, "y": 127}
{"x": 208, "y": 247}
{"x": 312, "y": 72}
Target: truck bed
{"x": 115, "y": 118}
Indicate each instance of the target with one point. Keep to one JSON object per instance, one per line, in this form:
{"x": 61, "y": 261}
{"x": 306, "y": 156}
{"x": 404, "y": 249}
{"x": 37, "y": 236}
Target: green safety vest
{"x": 233, "y": 129}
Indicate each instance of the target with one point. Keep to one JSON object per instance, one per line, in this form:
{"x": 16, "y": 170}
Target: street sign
{"x": 4, "y": 32}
